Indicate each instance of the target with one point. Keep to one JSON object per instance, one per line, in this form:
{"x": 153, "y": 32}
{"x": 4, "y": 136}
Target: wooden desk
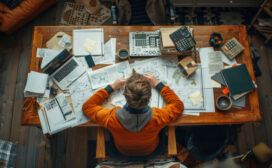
{"x": 250, "y": 113}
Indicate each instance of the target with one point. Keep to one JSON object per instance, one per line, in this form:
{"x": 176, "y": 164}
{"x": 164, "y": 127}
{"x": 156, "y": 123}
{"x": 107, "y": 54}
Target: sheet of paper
{"x": 82, "y": 83}
{"x": 207, "y": 60}
{"x": 83, "y": 62}
{"x": 215, "y": 62}
{"x": 196, "y": 98}
{"x": 44, "y": 125}
{"x": 154, "y": 66}
{"x": 83, "y": 37}
{"x": 215, "y": 66}
{"x": 184, "y": 87}
{"x": 203, "y": 54}
{"x": 109, "y": 53}
{"x": 104, "y": 76}
{"x": 78, "y": 99}
{"x": 226, "y": 60}
{"x": 80, "y": 91}
{"x": 47, "y": 55}
{"x": 209, "y": 104}
{"x": 36, "y": 82}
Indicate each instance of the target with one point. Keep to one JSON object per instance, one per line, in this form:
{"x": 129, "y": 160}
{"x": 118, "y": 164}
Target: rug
{"x": 215, "y": 16}
{"x": 7, "y": 154}
{"x": 76, "y": 14}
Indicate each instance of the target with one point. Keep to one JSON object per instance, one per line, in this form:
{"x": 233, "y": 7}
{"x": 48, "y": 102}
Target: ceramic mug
{"x": 223, "y": 103}
{"x": 123, "y": 54}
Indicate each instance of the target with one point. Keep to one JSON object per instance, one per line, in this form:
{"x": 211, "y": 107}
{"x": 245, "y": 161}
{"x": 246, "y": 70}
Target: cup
{"x": 223, "y": 103}
{"x": 123, "y": 54}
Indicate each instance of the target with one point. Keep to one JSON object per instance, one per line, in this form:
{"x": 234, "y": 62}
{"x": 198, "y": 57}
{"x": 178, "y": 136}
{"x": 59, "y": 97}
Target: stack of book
{"x": 238, "y": 81}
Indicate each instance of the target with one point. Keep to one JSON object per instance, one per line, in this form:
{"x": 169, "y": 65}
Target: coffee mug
{"x": 223, "y": 103}
{"x": 123, "y": 54}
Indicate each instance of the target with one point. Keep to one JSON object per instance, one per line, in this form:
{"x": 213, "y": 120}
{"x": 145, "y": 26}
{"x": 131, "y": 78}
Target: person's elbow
{"x": 85, "y": 108}
{"x": 179, "y": 107}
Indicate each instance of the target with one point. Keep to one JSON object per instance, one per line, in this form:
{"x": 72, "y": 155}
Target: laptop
{"x": 64, "y": 69}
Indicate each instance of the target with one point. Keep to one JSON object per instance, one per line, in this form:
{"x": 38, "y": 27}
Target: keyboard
{"x": 65, "y": 70}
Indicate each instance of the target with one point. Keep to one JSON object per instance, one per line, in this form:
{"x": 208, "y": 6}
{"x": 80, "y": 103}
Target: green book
{"x": 238, "y": 81}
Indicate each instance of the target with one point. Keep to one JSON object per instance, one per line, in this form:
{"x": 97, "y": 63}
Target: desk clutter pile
{"x": 70, "y": 75}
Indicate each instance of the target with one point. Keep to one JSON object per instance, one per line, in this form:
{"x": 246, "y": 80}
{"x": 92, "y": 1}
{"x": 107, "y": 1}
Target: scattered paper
{"x": 104, "y": 76}
{"x": 88, "y": 41}
{"x": 215, "y": 62}
{"x": 80, "y": 91}
{"x": 47, "y": 55}
{"x": 196, "y": 98}
{"x": 211, "y": 62}
{"x": 109, "y": 53}
{"x": 184, "y": 87}
{"x": 226, "y": 60}
{"x": 56, "y": 114}
{"x": 78, "y": 99}
{"x": 89, "y": 45}
{"x": 82, "y": 61}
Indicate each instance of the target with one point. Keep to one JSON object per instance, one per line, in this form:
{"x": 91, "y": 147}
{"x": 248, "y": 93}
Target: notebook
{"x": 238, "y": 81}
{"x": 36, "y": 84}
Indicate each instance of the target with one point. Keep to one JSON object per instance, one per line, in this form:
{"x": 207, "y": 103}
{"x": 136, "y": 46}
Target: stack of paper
{"x": 36, "y": 84}
{"x": 104, "y": 76}
{"x": 56, "y": 115}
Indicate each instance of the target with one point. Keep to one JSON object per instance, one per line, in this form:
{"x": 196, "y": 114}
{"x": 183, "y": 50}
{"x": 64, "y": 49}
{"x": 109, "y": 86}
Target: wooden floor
{"x": 69, "y": 148}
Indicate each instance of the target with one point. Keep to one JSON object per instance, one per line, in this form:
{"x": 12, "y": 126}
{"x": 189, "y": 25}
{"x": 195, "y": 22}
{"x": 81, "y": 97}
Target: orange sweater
{"x": 129, "y": 143}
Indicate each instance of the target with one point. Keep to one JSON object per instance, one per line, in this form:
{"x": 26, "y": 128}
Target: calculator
{"x": 232, "y": 48}
{"x": 183, "y": 39}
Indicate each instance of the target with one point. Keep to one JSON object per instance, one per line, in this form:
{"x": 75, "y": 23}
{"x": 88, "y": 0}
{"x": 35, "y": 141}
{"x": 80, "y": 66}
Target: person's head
{"x": 137, "y": 91}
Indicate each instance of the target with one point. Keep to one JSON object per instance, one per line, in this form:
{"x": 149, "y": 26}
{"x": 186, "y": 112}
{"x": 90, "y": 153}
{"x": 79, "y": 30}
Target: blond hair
{"x": 137, "y": 91}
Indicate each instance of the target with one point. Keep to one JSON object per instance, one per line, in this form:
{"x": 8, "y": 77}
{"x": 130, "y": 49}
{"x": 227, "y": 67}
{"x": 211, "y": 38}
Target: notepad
{"x": 36, "y": 84}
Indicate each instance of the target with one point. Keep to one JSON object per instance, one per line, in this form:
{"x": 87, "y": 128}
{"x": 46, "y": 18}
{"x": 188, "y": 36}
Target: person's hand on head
{"x": 118, "y": 84}
{"x": 152, "y": 80}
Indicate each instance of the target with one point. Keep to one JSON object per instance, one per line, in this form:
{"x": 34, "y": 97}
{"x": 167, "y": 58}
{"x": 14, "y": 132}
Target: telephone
{"x": 183, "y": 39}
{"x": 232, "y": 48}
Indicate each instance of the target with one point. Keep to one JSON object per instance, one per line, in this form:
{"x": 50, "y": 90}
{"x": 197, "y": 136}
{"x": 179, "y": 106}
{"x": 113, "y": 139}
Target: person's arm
{"x": 174, "y": 106}
{"x": 93, "y": 109}
{"x": 93, "y": 106}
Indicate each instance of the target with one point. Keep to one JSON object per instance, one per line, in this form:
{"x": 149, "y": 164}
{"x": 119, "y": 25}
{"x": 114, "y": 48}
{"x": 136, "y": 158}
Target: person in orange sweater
{"x": 135, "y": 127}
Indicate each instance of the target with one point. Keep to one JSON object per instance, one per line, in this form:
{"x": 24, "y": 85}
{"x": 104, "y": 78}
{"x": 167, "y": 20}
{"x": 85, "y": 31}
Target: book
{"x": 238, "y": 81}
{"x": 239, "y": 103}
{"x": 36, "y": 84}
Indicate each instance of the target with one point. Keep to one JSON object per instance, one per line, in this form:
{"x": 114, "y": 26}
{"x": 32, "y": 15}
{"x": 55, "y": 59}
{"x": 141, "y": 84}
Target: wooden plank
{"x": 172, "y": 144}
{"x": 100, "y": 144}
{"x": 9, "y": 87}
{"x": 77, "y": 148}
{"x": 58, "y": 143}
